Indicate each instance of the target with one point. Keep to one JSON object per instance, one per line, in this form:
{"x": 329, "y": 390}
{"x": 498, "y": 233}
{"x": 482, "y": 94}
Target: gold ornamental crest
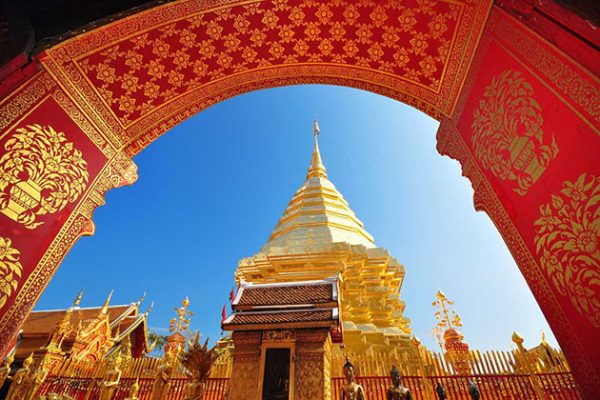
{"x": 508, "y": 138}
{"x": 10, "y": 269}
{"x": 40, "y": 173}
{"x": 568, "y": 242}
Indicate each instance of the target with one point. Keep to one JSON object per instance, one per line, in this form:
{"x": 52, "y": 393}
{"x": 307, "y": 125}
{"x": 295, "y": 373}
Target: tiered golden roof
{"x": 318, "y": 213}
{"x": 319, "y": 236}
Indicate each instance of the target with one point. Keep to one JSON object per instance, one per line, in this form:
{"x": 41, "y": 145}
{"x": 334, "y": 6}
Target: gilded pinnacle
{"x": 316, "y": 168}
{"x": 104, "y": 309}
{"x": 77, "y": 300}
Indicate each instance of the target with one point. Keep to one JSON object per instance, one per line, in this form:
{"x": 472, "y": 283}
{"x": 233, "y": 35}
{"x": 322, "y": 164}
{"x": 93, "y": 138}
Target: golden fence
{"x": 499, "y": 375}
{"x": 439, "y": 364}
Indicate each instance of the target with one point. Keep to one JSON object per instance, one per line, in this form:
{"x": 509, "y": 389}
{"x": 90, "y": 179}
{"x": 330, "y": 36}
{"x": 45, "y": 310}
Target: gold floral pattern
{"x": 508, "y": 138}
{"x": 368, "y": 35}
{"x": 10, "y": 269}
{"x": 40, "y": 173}
{"x": 568, "y": 242}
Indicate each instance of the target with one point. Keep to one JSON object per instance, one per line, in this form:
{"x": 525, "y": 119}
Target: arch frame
{"x": 59, "y": 93}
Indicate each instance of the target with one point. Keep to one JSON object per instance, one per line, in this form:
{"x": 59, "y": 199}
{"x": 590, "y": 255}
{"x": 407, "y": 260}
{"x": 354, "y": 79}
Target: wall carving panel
{"x": 528, "y": 143}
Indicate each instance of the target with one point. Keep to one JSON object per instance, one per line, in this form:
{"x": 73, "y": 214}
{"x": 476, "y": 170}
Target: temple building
{"x": 319, "y": 236}
{"x": 84, "y": 333}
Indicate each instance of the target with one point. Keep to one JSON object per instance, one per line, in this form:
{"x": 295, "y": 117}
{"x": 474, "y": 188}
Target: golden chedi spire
{"x": 104, "y": 309}
{"x": 318, "y": 214}
{"x": 319, "y": 236}
{"x": 316, "y": 168}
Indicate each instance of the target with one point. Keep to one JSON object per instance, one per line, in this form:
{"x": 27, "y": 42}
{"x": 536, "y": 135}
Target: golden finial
{"x": 316, "y": 168}
{"x": 149, "y": 309}
{"x": 518, "y": 339}
{"x": 182, "y": 322}
{"x": 544, "y": 339}
{"x": 77, "y": 300}
{"x": 137, "y": 303}
{"x": 104, "y": 309}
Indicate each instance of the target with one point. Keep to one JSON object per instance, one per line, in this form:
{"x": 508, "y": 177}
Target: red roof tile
{"x": 281, "y": 317}
{"x": 286, "y": 295}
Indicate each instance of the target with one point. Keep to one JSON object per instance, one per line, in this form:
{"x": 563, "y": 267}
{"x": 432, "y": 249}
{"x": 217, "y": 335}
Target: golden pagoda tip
{"x": 104, "y": 309}
{"x": 149, "y": 309}
{"x": 77, "y": 300}
{"x": 316, "y": 168}
{"x": 141, "y": 299}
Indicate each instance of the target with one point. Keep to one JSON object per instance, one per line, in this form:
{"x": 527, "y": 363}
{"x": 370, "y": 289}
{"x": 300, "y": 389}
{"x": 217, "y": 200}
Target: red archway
{"x": 520, "y": 115}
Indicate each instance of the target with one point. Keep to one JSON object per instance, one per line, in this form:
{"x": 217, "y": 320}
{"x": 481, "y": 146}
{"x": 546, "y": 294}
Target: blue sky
{"x": 211, "y": 190}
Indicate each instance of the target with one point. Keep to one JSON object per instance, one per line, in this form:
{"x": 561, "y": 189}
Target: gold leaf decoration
{"x": 40, "y": 173}
{"x": 508, "y": 138}
{"x": 10, "y": 269}
{"x": 568, "y": 242}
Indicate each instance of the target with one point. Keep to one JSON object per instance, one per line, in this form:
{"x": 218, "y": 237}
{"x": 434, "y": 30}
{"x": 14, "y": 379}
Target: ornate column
{"x": 246, "y": 366}
{"x": 312, "y": 378}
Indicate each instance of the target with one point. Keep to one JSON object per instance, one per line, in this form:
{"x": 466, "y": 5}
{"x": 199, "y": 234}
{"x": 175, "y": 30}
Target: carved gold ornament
{"x": 10, "y": 269}
{"x": 40, "y": 173}
{"x": 508, "y": 138}
{"x": 568, "y": 243}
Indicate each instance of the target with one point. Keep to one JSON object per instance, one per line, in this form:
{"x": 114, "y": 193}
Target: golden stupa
{"x": 319, "y": 236}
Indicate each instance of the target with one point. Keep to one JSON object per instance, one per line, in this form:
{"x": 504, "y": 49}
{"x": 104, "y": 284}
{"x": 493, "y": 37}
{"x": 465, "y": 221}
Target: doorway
{"x": 276, "y": 377}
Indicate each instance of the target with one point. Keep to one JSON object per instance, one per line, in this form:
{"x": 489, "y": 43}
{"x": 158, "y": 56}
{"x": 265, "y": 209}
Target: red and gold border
{"x": 551, "y": 105}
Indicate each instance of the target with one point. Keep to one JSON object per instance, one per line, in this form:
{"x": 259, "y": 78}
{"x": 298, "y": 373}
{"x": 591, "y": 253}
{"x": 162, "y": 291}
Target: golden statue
{"x": 5, "y": 370}
{"x": 37, "y": 377}
{"x": 397, "y": 391}
{"x": 21, "y": 381}
{"x": 163, "y": 376}
{"x": 133, "y": 393}
{"x": 111, "y": 380}
{"x": 350, "y": 389}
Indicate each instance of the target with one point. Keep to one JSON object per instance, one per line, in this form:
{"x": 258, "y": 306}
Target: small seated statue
{"x": 397, "y": 391}
{"x": 350, "y": 389}
{"x": 474, "y": 391}
{"x": 441, "y": 392}
{"x": 133, "y": 392}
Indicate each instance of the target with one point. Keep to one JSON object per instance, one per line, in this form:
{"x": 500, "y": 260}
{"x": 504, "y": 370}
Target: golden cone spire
{"x": 318, "y": 214}
{"x": 77, "y": 300}
{"x": 104, "y": 309}
{"x": 316, "y": 168}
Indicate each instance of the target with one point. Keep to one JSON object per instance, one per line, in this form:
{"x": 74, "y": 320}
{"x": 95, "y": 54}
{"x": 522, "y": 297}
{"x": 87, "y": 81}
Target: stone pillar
{"x": 312, "y": 378}
{"x": 246, "y": 366}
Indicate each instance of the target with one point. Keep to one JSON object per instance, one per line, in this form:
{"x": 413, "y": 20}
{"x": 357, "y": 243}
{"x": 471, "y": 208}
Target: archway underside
{"x": 515, "y": 112}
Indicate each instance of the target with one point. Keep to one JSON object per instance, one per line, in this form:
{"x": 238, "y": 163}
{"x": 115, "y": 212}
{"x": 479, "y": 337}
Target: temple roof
{"x": 40, "y": 326}
{"x": 44, "y": 322}
{"x": 278, "y": 319}
{"x": 308, "y": 304}
{"x": 318, "y": 213}
{"x": 316, "y": 293}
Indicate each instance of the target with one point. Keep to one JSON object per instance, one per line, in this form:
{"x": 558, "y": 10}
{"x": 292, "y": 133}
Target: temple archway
{"x": 515, "y": 111}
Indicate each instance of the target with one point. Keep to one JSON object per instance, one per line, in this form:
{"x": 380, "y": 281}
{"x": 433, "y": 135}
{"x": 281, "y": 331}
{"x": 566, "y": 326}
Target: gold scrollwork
{"x": 508, "y": 138}
{"x": 568, "y": 242}
{"x": 10, "y": 269}
{"x": 40, "y": 173}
